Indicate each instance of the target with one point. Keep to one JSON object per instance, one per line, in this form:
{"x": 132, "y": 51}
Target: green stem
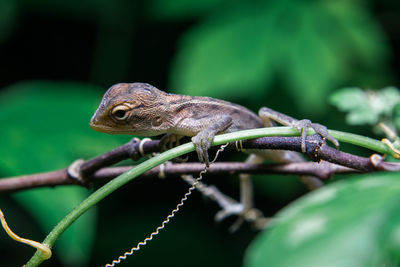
{"x": 362, "y": 141}
{"x": 176, "y": 152}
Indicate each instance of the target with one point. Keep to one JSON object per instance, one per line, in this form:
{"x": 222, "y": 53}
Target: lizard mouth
{"x": 109, "y": 130}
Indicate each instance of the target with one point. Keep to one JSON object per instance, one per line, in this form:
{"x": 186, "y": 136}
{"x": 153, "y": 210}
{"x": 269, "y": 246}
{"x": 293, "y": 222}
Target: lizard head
{"x": 132, "y": 108}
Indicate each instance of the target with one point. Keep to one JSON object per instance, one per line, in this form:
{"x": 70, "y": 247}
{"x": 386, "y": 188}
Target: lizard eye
{"x": 120, "y": 112}
{"x": 157, "y": 121}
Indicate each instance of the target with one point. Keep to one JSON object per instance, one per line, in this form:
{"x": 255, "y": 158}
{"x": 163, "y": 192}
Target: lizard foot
{"x": 232, "y": 209}
{"x": 203, "y": 142}
{"x": 253, "y": 216}
{"x": 204, "y": 138}
{"x": 169, "y": 141}
{"x": 304, "y": 125}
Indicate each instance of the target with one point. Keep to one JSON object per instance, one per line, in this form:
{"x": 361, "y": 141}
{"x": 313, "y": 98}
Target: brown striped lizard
{"x": 142, "y": 109}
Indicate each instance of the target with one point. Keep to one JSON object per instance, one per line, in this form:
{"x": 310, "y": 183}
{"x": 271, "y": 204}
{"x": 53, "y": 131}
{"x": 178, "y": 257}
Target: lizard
{"x": 142, "y": 109}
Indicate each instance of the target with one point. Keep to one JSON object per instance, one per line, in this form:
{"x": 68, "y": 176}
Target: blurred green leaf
{"x": 366, "y": 107}
{"x": 45, "y": 127}
{"x": 387, "y": 99}
{"x": 311, "y": 46}
{"x": 226, "y": 53}
{"x": 355, "y": 101}
{"x": 308, "y": 55}
{"x": 353, "y": 222}
{"x": 396, "y": 115}
{"x": 356, "y": 31}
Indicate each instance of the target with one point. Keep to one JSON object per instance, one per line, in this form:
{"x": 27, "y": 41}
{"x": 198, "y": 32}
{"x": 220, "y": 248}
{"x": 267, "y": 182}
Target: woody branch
{"x": 331, "y": 161}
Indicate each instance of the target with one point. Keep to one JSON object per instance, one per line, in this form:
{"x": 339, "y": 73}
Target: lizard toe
{"x": 207, "y": 144}
{"x": 304, "y": 125}
{"x": 323, "y": 131}
{"x": 203, "y": 142}
{"x": 167, "y": 142}
{"x": 233, "y": 209}
{"x": 204, "y": 151}
{"x": 197, "y": 142}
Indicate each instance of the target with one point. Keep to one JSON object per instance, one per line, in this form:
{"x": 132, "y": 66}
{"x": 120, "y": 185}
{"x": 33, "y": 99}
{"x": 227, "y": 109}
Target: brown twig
{"x": 317, "y": 150}
{"x": 323, "y": 170}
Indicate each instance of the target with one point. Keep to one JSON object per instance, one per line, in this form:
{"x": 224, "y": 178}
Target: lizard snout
{"x": 95, "y": 121}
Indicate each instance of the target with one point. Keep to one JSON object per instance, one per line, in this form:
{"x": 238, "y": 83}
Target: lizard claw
{"x": 169, "y": 141}
{"x": 304, "y": 125}
{"x": 203, "y": 142}
{"x": 204, "y": 138}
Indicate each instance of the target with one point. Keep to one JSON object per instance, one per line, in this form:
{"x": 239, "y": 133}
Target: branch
{"x": 323, "y": 171}
{"x": 317, "y": 150}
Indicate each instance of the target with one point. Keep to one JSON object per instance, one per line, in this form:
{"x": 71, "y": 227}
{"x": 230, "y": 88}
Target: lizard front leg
{"x": 205, "y": 137}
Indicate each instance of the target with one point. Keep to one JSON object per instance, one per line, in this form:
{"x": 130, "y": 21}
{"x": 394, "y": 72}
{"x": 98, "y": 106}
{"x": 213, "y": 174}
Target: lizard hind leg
{"x": 169, "y": 141}
{"x": 245, "y": 209}
{"x": 267, "y": 114}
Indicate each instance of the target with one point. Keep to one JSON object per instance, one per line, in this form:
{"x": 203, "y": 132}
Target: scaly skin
{"x": 141, "y": 109}
{"x": 151, "y": 112}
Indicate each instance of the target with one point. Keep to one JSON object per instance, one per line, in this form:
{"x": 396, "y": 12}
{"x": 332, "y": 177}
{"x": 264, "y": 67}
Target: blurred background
{"x": 59, "y": 57}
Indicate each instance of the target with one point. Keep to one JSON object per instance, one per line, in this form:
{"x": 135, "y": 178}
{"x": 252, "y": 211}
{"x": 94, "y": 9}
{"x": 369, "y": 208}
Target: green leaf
{"x": 362, "y": 37}
{"x": 45, "y": 127}
{"x": 228, "y": 52}
{"x": 353, "y": 222}
{"x": 388, "y": 98}
{"x": 396, "y": 115}
{"x": 331, "y": 39}
{"x": 355, "y": 101}
{"x": 311, "y": 67}
{"x": 366, "y": 107}
{"x": 311, "y": 46}
{"x": 360, "y": 42}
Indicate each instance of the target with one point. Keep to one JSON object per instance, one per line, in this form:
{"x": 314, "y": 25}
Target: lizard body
{"x": 153, "y": 112}
{"x": 141, "y": 109}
